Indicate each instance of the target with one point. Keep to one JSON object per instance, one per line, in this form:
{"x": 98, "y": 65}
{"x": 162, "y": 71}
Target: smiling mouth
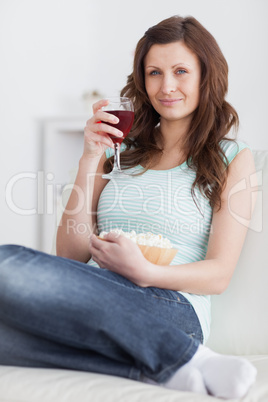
{"x": 169, "y": 102}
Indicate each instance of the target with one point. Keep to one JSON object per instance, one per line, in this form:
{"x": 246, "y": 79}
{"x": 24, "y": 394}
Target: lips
{"x": 169, "y": 102}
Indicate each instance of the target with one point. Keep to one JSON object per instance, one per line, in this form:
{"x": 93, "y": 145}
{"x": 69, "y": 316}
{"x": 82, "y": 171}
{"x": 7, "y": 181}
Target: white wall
{"x": 52, "y": 51}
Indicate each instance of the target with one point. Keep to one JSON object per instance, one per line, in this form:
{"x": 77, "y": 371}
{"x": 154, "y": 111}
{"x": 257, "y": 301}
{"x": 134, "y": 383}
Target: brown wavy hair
{"x": 211, "y": 122}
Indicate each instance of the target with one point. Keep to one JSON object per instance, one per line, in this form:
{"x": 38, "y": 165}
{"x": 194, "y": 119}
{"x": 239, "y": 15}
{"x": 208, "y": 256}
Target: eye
{"x": 181, "y": 71}
{"x": 154, "y": 72}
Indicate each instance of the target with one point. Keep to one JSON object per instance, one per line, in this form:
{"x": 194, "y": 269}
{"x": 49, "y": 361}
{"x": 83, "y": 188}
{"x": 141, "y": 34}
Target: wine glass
{"x": 121, "y": 107}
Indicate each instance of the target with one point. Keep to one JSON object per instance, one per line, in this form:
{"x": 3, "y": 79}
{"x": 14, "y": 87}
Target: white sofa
{"x": 239, "y": 327}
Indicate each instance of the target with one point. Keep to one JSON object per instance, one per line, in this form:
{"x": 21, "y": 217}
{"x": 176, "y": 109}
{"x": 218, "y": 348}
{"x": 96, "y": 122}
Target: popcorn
{"x": 155, "y": 248}
{"x": 145, "y": 239}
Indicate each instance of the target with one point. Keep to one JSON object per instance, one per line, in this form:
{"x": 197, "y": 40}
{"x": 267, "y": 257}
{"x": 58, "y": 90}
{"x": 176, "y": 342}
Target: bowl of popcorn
{"x": 155, "y": 248}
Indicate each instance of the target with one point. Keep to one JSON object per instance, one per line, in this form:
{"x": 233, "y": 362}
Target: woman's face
{"x": 172, "y": 80}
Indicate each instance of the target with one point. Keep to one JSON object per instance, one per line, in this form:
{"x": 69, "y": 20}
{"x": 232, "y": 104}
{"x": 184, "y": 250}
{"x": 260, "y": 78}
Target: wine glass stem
{"x": 117, "y": 157}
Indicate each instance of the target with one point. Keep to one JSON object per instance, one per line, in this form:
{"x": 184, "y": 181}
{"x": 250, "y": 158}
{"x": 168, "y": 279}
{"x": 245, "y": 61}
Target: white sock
{"x": 224, "y": 376}
{"x": 210, "y": 372}
{"x": 185, "y": 379}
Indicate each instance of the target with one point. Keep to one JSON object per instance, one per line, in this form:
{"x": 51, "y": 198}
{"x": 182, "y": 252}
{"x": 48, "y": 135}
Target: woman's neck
{"x": 173, "y": 134}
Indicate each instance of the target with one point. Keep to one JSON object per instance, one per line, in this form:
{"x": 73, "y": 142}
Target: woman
{"x": 133, "y": 318}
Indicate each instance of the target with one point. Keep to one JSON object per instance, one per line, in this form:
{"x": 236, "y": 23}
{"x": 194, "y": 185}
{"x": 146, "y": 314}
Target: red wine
{"x": 126, "y": 118}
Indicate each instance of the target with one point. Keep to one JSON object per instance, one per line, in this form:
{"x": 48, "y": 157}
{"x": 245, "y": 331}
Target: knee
{"x": 8, "y": 250}
{"x": 10, "y": 261}
{"x": 27, "y": 275}
{"x": 14, "y": 275}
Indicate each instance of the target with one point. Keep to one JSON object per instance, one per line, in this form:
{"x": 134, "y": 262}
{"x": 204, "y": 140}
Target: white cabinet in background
{"x": 61, "y": 149}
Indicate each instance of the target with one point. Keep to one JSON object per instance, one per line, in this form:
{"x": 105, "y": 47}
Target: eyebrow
{"x": 176, "y": 65}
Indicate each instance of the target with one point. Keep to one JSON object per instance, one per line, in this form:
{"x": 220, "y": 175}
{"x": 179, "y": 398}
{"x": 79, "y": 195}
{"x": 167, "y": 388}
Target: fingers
{"x": 104, "y": 122}
{"x": 97, "y": 249}
{"x": 110, "y": 237}
{"x": 100, "y": 127}
{"x": 95, "y": 243}
{"x": 93, "y": 240}
{"x": 108, "y": 251}
{"x": 114, "y": 237}
{"x": 98, "y": 105}
{"x": 91, "y": 135}
{"x": 102, "y": 117}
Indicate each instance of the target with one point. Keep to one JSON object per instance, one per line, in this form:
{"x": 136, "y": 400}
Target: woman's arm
{"x": 212, "y": 275}
{"x": 78, "y": 221}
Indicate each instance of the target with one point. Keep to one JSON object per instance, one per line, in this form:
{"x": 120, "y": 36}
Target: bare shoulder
{"x": 241, "y": 172}
{"x": 243, "y": 160}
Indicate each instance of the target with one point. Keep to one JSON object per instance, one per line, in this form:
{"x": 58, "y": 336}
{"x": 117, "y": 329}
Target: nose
{"x": 169, "y": 84}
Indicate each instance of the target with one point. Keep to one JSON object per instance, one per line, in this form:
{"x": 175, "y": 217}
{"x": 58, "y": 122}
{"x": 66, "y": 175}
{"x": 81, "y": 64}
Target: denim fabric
{"x": 56, "y": 312}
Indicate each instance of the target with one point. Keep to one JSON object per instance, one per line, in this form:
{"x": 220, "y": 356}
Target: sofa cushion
{"x": 49, "y": 385}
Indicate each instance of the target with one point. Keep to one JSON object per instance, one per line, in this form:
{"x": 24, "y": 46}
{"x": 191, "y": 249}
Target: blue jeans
{"x": 60, "y": 313}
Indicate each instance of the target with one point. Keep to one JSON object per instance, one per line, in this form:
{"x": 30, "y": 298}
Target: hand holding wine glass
{"x": 111, "y": 122}
{"x": 122, "y": 108}
{"x": 98, "y": 130}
